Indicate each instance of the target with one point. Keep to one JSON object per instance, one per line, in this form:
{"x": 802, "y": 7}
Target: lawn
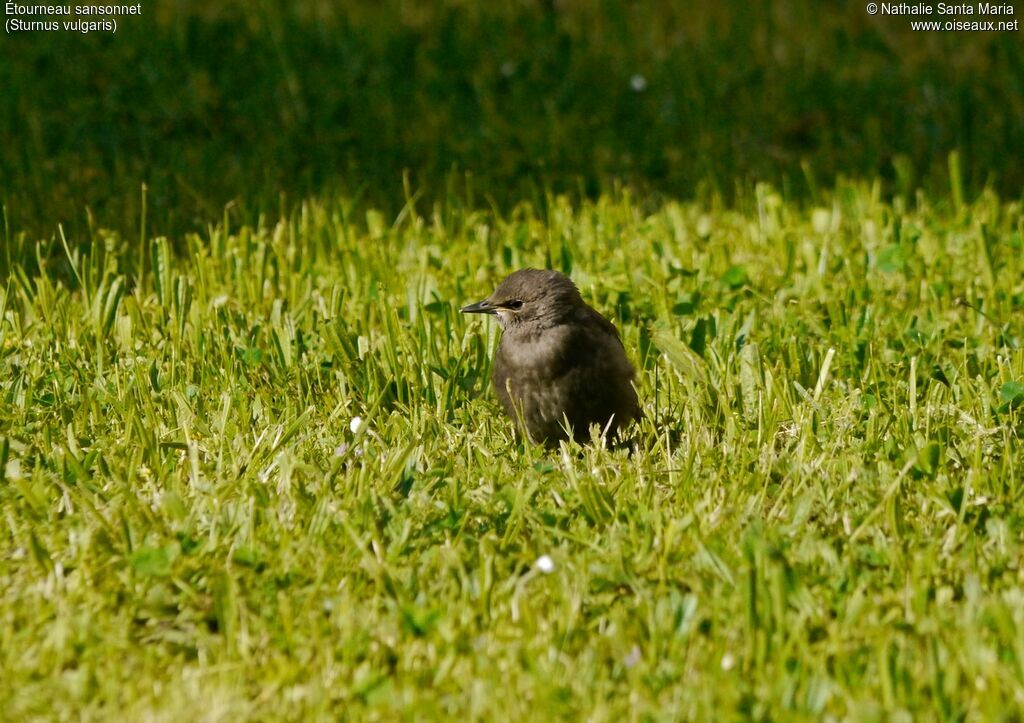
{"x": 251, "y": 466}
{"x": 265, "y": 477}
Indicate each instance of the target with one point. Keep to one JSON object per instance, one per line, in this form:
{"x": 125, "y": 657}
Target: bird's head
{"x": 529, "y": 296}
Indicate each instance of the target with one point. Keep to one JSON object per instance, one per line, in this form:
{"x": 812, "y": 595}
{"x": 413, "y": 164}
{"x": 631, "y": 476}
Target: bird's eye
{"x": 514, "y": 304}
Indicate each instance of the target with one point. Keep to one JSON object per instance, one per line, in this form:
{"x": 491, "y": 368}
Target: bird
{"x": 560, "y": 366}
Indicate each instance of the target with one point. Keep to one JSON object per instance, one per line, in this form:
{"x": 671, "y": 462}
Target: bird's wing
{"x": 593, "y": 319}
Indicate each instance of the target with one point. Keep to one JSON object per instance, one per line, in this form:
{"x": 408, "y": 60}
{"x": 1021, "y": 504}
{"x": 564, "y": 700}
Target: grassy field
{"x": 266, "y": 478}
{"x": 251, "y": 467}
{"x": 243, "y": 101}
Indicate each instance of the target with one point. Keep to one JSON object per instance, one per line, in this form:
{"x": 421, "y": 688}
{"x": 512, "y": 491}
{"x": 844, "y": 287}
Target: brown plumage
{"x": 559, "y": 361}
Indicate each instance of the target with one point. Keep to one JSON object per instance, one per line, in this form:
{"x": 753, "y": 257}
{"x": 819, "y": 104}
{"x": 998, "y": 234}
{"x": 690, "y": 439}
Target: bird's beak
{"x": 480, "y": 307}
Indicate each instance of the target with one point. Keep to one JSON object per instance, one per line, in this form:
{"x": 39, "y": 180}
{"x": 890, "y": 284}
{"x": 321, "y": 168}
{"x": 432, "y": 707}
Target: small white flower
{"x": 638, "y": 83}
{"x": 728, "y": 662}
{"x": 355, "y": 424}
{"x": 545, "y": 564}
{"x": 634, "y": 657}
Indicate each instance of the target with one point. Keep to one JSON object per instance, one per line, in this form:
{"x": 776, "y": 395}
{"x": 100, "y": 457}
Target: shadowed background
{"x": 258, "y": 104}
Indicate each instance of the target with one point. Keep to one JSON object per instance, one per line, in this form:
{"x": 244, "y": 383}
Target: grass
{"x": 823, "y": 517}
{"x": 250, "y": 463}
{"x": 240, "y": 102}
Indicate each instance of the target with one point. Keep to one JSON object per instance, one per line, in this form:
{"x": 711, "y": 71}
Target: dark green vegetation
{"x": 243, "y": 101}
{"x": 250, "y": 464}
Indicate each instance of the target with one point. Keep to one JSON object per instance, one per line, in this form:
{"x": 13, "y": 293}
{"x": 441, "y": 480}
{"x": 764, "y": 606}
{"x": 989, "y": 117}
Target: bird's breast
{"x": 542, "y": 354}
{"x": 574, "y": 371}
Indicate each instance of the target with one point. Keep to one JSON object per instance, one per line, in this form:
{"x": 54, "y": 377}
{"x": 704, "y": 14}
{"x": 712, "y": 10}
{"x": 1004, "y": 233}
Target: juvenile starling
{"x": 559, "y": 362}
